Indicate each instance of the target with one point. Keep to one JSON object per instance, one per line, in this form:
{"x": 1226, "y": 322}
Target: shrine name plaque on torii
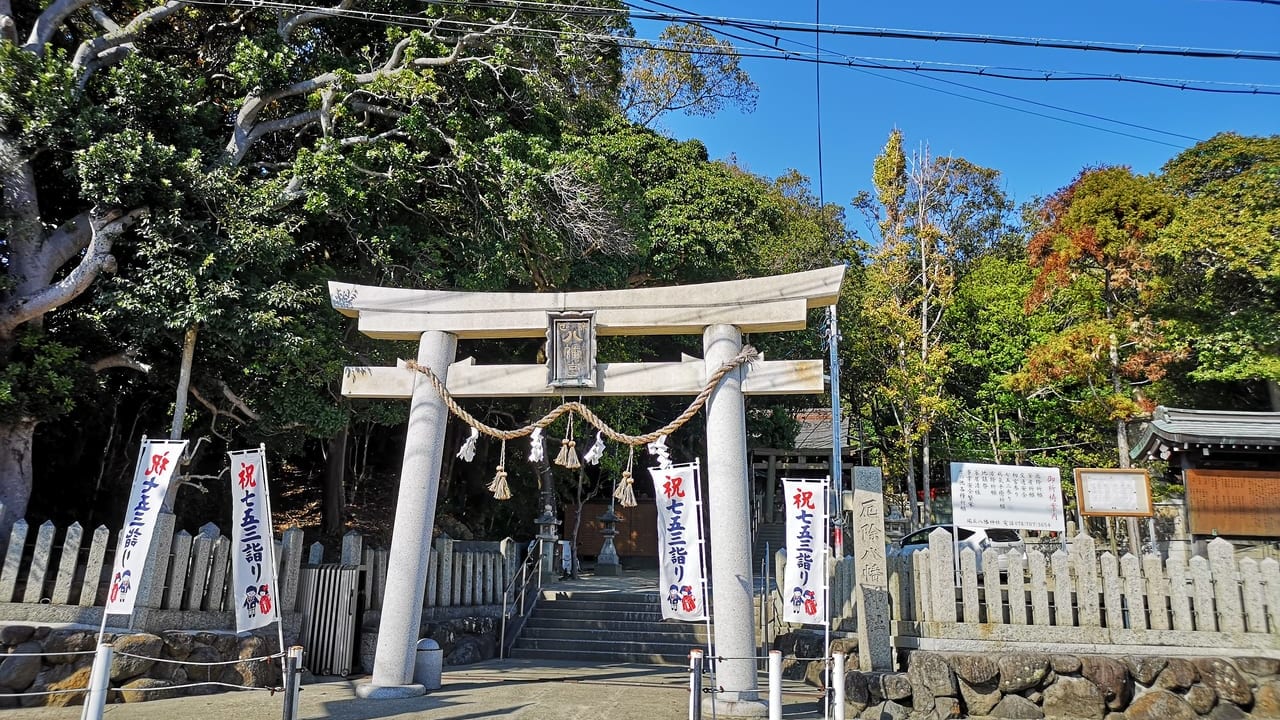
{"x": 721, "y": 312}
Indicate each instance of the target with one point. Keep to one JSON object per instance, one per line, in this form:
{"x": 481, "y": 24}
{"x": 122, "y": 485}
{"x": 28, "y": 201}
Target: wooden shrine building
{"x": 1229, "y": 463}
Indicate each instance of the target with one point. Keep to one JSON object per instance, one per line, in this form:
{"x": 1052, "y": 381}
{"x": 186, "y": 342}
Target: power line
{"x": 886, "y": 33}
{"x": 955, "y": 83}
{"x": 817, "y": 92}
{"x": 904, "y": 65}
{"x": 1049, "y": 106}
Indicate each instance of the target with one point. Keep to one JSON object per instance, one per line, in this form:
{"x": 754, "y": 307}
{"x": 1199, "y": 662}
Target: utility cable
{"x": 916, "y": 66}
{"x": 817, "y": 93}
{"x": 1049, "y": 106}
{"x": 883, "y": 33}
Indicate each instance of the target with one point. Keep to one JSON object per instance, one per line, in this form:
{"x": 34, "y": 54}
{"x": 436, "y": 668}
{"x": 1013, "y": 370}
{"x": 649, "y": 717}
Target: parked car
{"x": 1005, "y": 542}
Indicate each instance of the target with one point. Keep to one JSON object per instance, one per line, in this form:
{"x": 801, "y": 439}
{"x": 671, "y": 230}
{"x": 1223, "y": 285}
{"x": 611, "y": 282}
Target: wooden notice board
{"x": 1240, "y": 503}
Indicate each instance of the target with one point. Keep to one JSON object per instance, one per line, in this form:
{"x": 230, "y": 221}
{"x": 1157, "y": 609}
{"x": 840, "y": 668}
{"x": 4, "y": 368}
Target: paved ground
{"x": 524, "y": 689}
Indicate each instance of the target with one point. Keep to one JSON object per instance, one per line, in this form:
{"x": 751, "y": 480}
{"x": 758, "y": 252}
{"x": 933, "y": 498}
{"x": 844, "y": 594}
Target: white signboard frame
{"x": 1114, "y": 492}
{"x": 1007, "y": 496}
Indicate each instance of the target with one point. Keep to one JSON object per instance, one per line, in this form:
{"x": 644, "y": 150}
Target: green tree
{"x": 687, "y": 70}
{"x": 128, "y": 131}
{"x": 1220, "y": 261}
{"x": 932, "y": 215}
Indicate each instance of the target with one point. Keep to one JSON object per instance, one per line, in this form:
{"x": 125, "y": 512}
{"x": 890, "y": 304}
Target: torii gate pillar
{"x": 415, "y": 518}
{"x": 729, "y": 511}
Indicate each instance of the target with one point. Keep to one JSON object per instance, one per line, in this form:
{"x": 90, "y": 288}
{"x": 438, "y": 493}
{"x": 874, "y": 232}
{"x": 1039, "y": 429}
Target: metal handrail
{"x": 518, "y": 589}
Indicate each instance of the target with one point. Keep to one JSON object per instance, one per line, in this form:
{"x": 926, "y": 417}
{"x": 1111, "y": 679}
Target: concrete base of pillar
{"x": 611, "y": 569}
{"x": 726, "y": 708}
{"x": 369, "y": 691}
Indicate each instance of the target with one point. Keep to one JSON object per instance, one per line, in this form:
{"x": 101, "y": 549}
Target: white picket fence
{"x": 66, "y": 574}
{"x": 1077, "y": 600}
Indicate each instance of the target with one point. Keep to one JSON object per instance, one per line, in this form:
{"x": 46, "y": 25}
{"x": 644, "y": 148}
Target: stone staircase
{"x": 772, "y": 536}
{"x": 606, "y": 627}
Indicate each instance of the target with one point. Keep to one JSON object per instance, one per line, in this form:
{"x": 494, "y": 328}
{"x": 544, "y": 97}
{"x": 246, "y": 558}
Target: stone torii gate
{"x": 720, "y": 312}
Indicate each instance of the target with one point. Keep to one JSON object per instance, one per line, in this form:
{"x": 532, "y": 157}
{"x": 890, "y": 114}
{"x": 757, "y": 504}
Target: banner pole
{"x": 102, "y": 629}
{"x": 275, "y": 566}
{"x": 826, "y": 593}
{"x": 836, "y": 502}
{"x": 702, "y": 552}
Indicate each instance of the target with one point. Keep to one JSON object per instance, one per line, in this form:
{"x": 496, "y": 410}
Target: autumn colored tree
{"x": 1093, "y": 262}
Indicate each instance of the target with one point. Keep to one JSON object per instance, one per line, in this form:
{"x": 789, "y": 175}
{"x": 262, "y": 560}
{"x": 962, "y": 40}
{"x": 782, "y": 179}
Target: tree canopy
{"x": 179, "y": 181}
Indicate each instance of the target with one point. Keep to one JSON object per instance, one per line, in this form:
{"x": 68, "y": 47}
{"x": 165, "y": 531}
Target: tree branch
{"x": 48, "y": 22}
{"x": 248, "y": 130}
{"x": 238, "y": 403}
{"x": 97, "y": 258}
{"x": 121, "y": 360}
{"x": 95, "y": 49}
{"x": 286, "y": 26}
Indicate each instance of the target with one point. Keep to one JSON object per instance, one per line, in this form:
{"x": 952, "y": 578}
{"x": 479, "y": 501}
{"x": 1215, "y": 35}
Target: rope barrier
{"x": 272, "y": 690}
{"x": 747, "y": 355}
{"x": 261, "y": 658}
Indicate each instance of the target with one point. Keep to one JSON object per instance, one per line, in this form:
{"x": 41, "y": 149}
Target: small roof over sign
{"x": 1179, "y": 428}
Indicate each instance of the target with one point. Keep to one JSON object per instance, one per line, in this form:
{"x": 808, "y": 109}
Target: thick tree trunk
{"x": 15, "y": 470}
{"x": 1273, "y": 394}
{"x": 335, "y": 501}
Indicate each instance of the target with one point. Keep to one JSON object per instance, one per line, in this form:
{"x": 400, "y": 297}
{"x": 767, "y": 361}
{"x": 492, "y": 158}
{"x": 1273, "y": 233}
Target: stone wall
{"x": 462, "y": 640}
{"x": 1029, "y": 686}
{"x": 43, "y": 659}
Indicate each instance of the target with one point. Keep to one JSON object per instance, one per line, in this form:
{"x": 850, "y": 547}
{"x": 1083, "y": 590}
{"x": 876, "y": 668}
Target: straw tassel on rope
{"x": 568, "y": 457}
{"x": 625, "y": 494}
{"x": 499, "y": 487}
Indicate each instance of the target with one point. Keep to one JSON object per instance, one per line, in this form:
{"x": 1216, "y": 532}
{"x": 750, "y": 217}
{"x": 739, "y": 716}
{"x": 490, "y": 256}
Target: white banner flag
{"x": 681, "y": 577}
{"x": 1006, "y": 496}
{"x": 806, "y": 570}
{"x": 157, "y": 462}
{"x": 253, "y": 570}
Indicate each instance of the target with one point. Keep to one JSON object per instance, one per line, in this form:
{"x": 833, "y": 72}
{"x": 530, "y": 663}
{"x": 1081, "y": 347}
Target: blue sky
{"x": 1035, "y": 155}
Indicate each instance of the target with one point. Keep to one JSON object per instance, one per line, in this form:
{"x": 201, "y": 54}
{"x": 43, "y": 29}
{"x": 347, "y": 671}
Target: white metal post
{"x": 837, "y": 685}
{"x": 775, "y": 685}
{"x": 695, "y": 684}
{"x": 99, "y": 680}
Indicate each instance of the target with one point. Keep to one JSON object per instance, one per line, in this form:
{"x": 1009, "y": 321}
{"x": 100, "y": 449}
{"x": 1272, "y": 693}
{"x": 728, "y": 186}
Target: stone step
{"x": 601, "y": 657}
{"x": 648, "y": 615}
{"x": 620, "y": 636}
{"x": 595, "y": 596}
{"x": 607, "y": 647}
{"x": 611, "y": 625}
